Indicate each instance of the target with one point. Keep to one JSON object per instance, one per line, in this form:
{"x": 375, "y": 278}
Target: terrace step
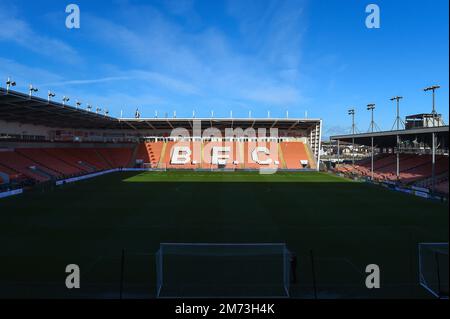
{"x": 132, "y": 161}
{"x": 281, "y": 156}
{"x": 163, "y": 152}
{"x": 89, "y": 167}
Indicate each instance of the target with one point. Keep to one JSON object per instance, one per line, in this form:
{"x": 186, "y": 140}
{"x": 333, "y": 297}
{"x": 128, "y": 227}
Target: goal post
{"x": 210, "y": 270}
{"x": 433, "y": 268}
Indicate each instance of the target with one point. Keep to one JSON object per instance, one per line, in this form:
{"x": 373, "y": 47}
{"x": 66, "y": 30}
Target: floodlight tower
{"x": 9, "y": 83}
{"x": 433, "y": 138}
{"x": 432, "y": 89}
{"x": 398, "y": 120}
{"x": 50, "y": 95}
{"x": 352, "y": 113}
{"x": 371, "y": 107}
{"x": 64, "y": 100}
{"x": 373, "y": 125}
{"x": 32, "y": 89}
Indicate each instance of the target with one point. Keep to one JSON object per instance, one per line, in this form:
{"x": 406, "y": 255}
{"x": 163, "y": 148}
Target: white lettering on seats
{"x": 220, "y": 155}
{"x": 255, "y": 156}
{"x": 180, "y": 155}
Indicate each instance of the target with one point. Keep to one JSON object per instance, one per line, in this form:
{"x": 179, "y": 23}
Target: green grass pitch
{"x": 347, "y": 225}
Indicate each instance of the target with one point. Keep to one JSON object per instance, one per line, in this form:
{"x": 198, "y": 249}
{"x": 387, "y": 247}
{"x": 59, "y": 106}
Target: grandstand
{"x": 55, "y": 141}
{"x": 415, "y": 156}
{"x": 43, "y": 161}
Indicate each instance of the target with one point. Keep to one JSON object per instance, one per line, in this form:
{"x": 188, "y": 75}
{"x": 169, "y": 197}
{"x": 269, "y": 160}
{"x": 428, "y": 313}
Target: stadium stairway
{"x": 102, "y": 153}
{"x": 163, "y": 153}
{"x": 119, "y": 157}
{"x": 154, "y": 151}
{"x": 242, "y": 154}
{"x": 66, "y": 158}
{"x": 39, "y": 171}
{"x": 115, "y": 157}
{"x": 134, "y": 154}
{"x": 88, "y": 167}
{"x": 142, "y": 154}
{"x": 311, "y": 160}
{"x": 45, "y": 160}
{"x": 41, "y": 168}
{"x": 21, "y": 164}
{"x": 281, "y": 156}
{"x": 89, "y": 157}
{"x": 149, "y": 153}
{"x": 62, "y": 163}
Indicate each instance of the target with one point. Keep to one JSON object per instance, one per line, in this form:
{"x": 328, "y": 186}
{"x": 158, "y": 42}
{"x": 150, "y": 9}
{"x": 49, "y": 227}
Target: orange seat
{"x": 294, "y": 153}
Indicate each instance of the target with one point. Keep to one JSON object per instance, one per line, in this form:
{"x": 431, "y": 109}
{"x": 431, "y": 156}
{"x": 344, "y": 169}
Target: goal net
{"x": 201, "y": 270}
{"x": 433, "y": 268}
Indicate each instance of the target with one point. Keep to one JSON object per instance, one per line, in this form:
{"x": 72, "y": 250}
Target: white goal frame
{"x": 279, "y": 250}
{"x": 431, "y": 274}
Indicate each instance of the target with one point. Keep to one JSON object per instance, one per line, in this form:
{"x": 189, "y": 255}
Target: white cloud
{"x": 166, "y": 81}
{"x": 206, "y": 62}
{"x": 16, "y": 30}
{"x": 274, "y": 95}
{"x": 24, "y": 74}
{"x": 134, "y": 76}
{"x": 161, "y": 62}
{"x": 86, "y": 82}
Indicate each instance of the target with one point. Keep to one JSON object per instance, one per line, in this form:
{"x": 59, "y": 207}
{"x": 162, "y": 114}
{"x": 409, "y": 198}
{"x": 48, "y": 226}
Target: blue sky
{"x": 299, "y": 56}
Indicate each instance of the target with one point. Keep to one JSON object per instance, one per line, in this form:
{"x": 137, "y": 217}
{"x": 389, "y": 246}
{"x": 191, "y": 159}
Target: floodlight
{"x": 65, "y": 99}
{"x": 50, "y": 95}
{"x": 9, "y": 83}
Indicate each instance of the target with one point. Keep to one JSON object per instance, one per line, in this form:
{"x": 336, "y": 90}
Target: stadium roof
{"x": 19, "y": 107}
{"x": 220, "y": 123}
{"x": 422, "y": 115}
{"x": 389, "y": 138}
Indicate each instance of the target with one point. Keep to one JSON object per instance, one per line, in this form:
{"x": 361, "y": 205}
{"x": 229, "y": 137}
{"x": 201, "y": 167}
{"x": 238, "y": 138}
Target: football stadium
{"x": 98, "y": 206}
{"x": 170, "y": 208}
